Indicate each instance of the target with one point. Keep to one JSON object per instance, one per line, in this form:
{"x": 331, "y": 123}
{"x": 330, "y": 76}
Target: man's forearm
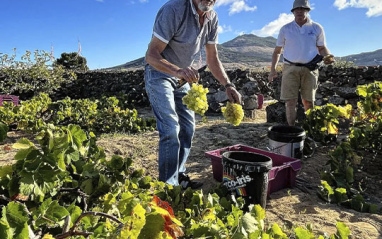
{"x": 323, "y": 50}
{"x": 217, "y": 70}
{"x": 275, "y": 60}
{"x": 155, "y": 59}
{"x": 161, "y": 64}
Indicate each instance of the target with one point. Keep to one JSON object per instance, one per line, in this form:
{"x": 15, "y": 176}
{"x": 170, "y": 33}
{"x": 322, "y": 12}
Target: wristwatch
{"x": 229, "y": 85}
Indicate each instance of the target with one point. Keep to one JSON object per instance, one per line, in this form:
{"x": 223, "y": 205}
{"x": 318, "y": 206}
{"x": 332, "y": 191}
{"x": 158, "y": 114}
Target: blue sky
{"x": 113, "y": 32}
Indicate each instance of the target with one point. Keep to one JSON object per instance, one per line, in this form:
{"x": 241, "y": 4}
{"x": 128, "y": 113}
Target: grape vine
{"x": 66, "y": 187}
{"x": 365, "y": 135}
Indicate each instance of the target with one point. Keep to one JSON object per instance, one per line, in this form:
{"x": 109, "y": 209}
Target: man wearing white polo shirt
{"x": 304, "y": 45}
{"x": 181, "y": 29}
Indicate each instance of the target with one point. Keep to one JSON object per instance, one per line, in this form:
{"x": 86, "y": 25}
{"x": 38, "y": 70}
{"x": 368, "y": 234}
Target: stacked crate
{"x": 9, "y": 98}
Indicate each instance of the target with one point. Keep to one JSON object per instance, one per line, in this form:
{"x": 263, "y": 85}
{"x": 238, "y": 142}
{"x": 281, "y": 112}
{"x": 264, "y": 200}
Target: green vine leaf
{"x": 342, "y": 230}
{"x": 250, "y": 223}
{"x": 340, "y": 195}
{"x": 27, "y": 186}
{"x": 258, "y": 212}
{"x": 266, "y": 236}
{"x": 78, "y": 135}
{"x": 75, "y": 213}
{"x": 5, "y": 230}
{"x": 13, "y": 223}
{"x": 22, "y": 144}
{"x": 277, "y": 232}
{"x": 134, "y": 226}
{"x": 303, "y": 233}
{"x": 50, "y": 212}
{"x": 87, "y": 186}
{"x": 3, "y": 131}
{"x": 349, "y": 174}
{"x": 6, "y": 171}
{"x": 38, "y": 193}
{"x": 154, "y": 227}
{"x": 361, "y": 90}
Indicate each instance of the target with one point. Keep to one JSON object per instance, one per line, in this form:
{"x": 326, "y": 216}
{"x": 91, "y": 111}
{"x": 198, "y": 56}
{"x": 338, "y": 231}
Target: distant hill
{"x": 244, "y": 51}
{"x": 131, "y": 65}
{"x": 248, "y": 51}
{"x": 366, "y": 58}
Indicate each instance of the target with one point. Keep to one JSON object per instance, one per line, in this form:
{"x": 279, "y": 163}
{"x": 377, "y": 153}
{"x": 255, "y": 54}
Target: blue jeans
{"x": 175, "y": 123}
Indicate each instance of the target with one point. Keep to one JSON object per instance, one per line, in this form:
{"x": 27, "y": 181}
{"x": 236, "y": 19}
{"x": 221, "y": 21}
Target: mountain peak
{"x": 251, "y": 40}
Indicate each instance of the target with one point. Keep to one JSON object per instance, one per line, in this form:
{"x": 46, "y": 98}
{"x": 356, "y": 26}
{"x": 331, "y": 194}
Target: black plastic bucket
{"x": 246, "y": 174}
{"x": 287, "y": 140}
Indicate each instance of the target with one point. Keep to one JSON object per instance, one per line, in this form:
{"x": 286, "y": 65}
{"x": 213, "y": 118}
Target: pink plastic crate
{"x": 282, "y": 175}
{"x": 9, "y": 98}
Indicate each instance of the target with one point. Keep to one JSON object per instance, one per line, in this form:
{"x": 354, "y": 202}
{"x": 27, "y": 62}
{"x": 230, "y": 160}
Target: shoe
{"x": 185, "y": 182}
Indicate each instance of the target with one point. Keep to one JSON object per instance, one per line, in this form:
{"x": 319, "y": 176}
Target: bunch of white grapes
{"x": 233, "y": 113}
{"x": 196, "y": 99}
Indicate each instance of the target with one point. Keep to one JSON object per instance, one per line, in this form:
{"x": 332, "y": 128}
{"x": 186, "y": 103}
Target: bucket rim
{"x": 265, "y": 165}
{"x": 286, "y": 137}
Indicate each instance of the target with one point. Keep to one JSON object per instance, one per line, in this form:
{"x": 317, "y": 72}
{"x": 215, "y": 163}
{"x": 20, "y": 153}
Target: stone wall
{"x": 95, "y": 84}
{"x": 336, "y": 85}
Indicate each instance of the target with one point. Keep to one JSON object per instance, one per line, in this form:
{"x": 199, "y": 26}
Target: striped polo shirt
{"x": 177, "y": 25}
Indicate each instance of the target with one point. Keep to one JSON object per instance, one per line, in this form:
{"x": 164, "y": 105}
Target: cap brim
{"x": 296, "y": 7}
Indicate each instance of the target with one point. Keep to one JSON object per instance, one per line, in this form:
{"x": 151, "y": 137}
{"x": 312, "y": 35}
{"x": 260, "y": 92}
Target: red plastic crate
{"x": 9, "y": 98}
{"x": 282, "y": 175}
{"x": 260, "y": 101}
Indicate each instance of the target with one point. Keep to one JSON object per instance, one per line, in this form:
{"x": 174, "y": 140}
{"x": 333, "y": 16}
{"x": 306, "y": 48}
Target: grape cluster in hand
{"x": 233, "y": 113}
{"x": 196, "y": 99}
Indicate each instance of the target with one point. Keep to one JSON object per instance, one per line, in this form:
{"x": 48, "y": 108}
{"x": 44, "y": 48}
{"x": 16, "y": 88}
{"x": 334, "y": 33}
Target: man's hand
{"x": 328, "y": 59}
{"x": 233, "y": 95}
{"x": 272, "y": 75}
{"x": 189, "y": 74}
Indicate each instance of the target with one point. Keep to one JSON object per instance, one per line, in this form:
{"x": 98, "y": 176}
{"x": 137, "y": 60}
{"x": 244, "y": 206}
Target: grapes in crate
{"x": 196, "y": 99}
{"x": 233, "y": 113}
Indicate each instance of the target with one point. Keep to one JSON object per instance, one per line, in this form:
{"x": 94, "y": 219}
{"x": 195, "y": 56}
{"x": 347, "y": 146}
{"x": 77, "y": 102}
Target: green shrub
{"x": 31, "y": 76}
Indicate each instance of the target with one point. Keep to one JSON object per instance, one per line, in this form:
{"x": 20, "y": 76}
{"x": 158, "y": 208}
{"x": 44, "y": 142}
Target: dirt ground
{"x": 299, "y": 205}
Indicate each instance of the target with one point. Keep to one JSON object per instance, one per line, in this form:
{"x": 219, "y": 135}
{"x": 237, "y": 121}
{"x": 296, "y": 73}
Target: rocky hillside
{"x": 366, "y": 58}
{"x": 249, "y": 51}
{"x": 244, "y": 51}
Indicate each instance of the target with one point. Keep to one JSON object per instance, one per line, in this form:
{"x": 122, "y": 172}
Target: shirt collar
{"x": 307, "y": 23}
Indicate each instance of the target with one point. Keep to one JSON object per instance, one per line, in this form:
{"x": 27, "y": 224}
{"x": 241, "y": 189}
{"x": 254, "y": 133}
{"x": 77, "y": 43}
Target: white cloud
{"x": 239, "y": 6}
{"x": 374, "y": 7}
{"x": 224, "y": 28}
{"x": 99, "y": 0}
{"x": 273, "y": 28}
{"x": 224, "y": 2}
{"x": 236, "y": 6}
